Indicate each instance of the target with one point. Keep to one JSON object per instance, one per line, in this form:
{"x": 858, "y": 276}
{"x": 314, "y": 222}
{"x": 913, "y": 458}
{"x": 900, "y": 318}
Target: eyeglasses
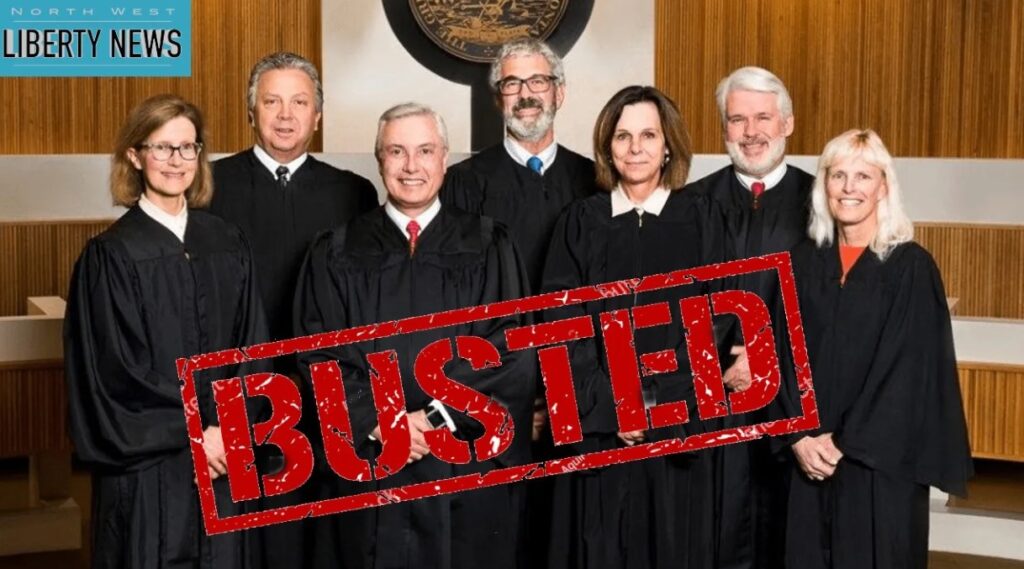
{"x": 536, "y": 84}
{"x": 162, "y": 151}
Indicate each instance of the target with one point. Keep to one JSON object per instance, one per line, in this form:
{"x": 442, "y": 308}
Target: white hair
{"x": 527, "y": 46}
{"x": 754, "y": 79}
{"x": 894, "y": 227}
{"x": 409, "y": 110}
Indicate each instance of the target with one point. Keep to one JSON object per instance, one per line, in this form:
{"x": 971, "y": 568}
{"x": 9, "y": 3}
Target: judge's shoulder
{"x": 240, "y": 165}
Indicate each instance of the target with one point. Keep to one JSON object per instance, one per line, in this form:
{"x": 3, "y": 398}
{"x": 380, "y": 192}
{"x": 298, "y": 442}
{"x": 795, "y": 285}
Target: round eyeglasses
{"x": 162, "y": 151}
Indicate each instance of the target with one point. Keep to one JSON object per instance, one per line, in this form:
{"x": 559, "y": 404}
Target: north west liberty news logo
{"x": 96, "y": 39}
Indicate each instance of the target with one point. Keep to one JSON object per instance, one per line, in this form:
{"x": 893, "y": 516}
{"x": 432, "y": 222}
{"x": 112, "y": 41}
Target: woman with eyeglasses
{"x": 164, "y": 281}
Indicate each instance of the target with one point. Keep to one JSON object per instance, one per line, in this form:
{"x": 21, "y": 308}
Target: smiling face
{"x": 755, "y": 131}
{"x": 285, "y": 115}
{"x": 530, "y": 116}
{"x": 412, "y": 162}
{"x": 167, "y": 179}
{"x": 638, "y": 148}
{"x": 854, "y": 189}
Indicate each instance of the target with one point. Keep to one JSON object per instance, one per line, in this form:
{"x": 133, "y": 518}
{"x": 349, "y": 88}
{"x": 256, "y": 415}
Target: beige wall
{"x": 366, "y": 70}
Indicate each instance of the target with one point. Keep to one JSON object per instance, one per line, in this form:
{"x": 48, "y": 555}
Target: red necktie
{"x": 414, "y": 232}
{"x": 757, "y": 188}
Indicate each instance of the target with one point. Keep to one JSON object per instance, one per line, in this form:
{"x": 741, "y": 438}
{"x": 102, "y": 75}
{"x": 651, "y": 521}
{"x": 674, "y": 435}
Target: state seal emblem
{"x": 476, "y": 30}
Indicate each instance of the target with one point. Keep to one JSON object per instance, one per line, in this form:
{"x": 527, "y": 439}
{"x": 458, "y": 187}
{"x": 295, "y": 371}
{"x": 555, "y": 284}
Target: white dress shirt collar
{"x": 402, "y": 220}
{"x": 174, "y": 223}
{"x": 771, "y": 180}
{"x": 520, "y": 155}
{"x": 653, "y": 204}
{"x": 268, "y": 161}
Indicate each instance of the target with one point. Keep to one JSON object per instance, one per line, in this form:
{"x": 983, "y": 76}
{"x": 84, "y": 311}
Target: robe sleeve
{"x": 250, "y": 328}
{"x": 321, "y": 306}
{"x": 122, "y": 412}
{"x": 564, "y": 270}
{"x": 713, "y": 249}
{"x": 908, "y": 420}
{"x": 513, "y": 383}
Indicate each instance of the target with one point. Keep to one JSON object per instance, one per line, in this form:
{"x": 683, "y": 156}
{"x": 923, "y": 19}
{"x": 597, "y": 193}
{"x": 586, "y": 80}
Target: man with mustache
{"x": 526, "y": 181}
{"x": 764, "y": 202}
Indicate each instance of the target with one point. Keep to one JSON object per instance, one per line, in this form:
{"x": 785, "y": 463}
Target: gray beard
{"x": 776, "y": 152}
{"x": 531, "y": 132}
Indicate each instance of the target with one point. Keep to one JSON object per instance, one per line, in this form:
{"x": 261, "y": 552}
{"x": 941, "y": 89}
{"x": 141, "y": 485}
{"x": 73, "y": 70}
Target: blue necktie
{"x": 535, "y": 164}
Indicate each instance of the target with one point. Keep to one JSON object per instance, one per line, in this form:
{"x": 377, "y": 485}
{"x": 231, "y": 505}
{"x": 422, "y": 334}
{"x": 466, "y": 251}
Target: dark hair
{"x": 677, "y": 137}
{"x": 126, "y": 182}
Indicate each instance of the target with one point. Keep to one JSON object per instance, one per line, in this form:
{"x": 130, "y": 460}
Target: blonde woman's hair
{"x": 894, "y": 227}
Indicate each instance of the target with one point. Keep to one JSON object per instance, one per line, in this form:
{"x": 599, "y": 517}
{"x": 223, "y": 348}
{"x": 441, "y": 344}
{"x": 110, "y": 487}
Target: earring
{"x": 667, "y": 157}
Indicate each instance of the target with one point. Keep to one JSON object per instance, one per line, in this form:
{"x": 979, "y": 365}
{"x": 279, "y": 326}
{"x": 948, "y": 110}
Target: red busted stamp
{"x": 550, "y": 340}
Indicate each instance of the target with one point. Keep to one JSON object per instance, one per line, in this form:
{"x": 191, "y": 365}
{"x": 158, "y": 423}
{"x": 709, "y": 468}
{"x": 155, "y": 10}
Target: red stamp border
{"x": 779, "y": 262}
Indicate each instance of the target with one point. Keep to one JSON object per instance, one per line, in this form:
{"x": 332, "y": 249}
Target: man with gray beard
{"x": 765, "y": 205}
{"x": 526, "y": 181}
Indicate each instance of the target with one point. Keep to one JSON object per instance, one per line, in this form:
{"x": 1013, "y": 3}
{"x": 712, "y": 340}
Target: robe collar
{"x": 652, "y": 205}
{"x": 271, "y": 165}
{"x": 401, "y": 220}
{"x": 520, "y": 155}
{"x": 772, "y": 179}
{"x": 174, "y": 223}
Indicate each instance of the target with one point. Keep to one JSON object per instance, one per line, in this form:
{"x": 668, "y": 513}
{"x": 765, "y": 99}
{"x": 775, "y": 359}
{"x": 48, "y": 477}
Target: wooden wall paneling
{"x": 82, "y": 115}
{"x": 993, "y": 55}
{"x": 38, "y": 257}
{"x": 33, "y": 409}
{"x": 936, "y": 78}
{"x": 982, "y": 265}
{"x": 994, "y": 406}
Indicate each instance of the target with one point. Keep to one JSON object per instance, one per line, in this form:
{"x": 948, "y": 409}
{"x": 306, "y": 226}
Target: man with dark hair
{"x": 281, "y": 197}
{"x": 764, "y": 203}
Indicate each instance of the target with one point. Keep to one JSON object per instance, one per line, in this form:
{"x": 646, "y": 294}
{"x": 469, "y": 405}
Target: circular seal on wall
{"x": 476, "y": 30}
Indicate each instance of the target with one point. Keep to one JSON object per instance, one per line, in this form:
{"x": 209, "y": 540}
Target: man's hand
{"x": 737, "y": 377}
{"x": 213, "y": 446}
{"x": 418, "y": 424}
{"x": 631, "y": 437}
{"x": 817, "y": 456}
{"x": 540, "y": 417}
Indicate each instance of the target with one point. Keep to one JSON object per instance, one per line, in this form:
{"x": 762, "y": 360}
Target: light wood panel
{"x": 33, "y": 409}
{"x": 982, "y": 265}
{"x": 38, "y": 257}
{"x": 81, "y": 115}
{"x": 994, "y": 404}
{"x": 933, "y": 77}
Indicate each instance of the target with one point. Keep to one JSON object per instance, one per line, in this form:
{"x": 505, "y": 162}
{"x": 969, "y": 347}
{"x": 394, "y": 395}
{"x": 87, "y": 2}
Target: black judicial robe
{"x": 749, "y": 486}
{"x": 140, "y": 299}
{"x": 493, "y": 184}
{"x": 655, "y": 513}
{"x": 280, "y": 224}
{"x": 362, "y": 273}
{"x": 885, "y": 382}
